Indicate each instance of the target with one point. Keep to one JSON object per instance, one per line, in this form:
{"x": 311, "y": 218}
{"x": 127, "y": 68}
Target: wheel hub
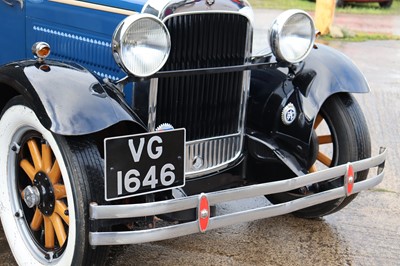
{"x": 31, "y": 196}
{"x": 41, "y": 194}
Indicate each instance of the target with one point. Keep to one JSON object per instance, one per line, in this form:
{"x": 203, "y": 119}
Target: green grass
{"x": 361, "y": 37}
{"x": 371, "y": 8}
{"x": 354, "y": 8}
{"x": 283, "y": 4}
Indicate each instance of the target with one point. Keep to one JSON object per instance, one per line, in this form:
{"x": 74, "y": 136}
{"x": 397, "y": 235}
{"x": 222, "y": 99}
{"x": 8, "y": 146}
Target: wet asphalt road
{"x": 367, "y": 232}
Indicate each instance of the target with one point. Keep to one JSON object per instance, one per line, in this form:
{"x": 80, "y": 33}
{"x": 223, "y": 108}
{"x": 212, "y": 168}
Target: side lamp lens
{"x": 41, "y": 50}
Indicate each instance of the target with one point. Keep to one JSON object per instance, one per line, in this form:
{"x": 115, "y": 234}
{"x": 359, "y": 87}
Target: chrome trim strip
{"x": 136, "y": 237}
{"x": 217, "y": 153}
{"x": 95, "y": 7}
{"x": 152, "y": 105}
{"x": 291, "y": 206}
{"x": 165, "y": 8}
{"x": 155, "y": 208}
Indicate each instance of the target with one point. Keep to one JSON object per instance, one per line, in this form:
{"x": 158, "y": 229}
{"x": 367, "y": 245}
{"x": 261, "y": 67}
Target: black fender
{"x": 306, "y": 85}
{"x": 68, "y": 99}
{"x": 327, "y": 71}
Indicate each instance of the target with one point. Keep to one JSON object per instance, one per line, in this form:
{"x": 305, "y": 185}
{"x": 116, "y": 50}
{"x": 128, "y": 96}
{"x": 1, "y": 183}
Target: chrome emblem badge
{"x": 197, "y": 163}
{"x": 210, "y": 2}
{"x": 164, "y": 127}
{"x": 289, "y": 114}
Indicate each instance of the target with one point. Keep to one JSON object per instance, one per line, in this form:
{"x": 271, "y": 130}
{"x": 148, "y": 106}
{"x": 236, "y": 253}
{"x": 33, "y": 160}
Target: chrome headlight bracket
{"x": 292, "y": 36}
{"x": 141, "y": 44}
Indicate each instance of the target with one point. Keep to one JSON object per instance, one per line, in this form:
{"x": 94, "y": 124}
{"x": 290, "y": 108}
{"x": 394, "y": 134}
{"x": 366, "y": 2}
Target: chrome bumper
{"x": 98, "y": 212}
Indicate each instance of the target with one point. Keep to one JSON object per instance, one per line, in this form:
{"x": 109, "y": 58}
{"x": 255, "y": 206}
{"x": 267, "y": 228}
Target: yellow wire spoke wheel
{"x": 45, "y": 190}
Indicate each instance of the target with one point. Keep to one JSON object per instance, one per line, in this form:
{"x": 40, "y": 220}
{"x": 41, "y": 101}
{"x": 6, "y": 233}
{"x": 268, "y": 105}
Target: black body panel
{"x": 307, "y": 85}
{"x": 69, "y": 100}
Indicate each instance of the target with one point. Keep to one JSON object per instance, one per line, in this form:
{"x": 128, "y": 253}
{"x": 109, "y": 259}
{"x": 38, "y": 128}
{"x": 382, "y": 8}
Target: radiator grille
{"x": 207, "y": 105}
{"x": 206, "y": 40}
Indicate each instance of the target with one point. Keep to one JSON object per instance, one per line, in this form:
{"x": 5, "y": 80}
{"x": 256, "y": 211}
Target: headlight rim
{"x": 117, "y": 38}
{"x": 275, "y": 34}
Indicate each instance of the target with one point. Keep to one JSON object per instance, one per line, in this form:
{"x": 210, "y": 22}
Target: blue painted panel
{"x": 135, "y": 5}
{"x": 12, "y": 29}
{"x": 93, "y": 51}
{"x": 72, "y": 16}
{"x": 75, "y": 34}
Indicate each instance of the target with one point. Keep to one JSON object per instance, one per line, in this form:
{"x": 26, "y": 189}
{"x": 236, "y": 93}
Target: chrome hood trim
{"x": 165, "y": 8}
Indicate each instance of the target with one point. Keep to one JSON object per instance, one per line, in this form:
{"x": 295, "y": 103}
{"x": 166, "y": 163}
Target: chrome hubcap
{"x": 31, "y": 196}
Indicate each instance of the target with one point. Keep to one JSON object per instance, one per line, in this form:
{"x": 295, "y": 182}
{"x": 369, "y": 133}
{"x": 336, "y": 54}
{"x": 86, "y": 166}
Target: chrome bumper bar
{"x": 98, "y": 212}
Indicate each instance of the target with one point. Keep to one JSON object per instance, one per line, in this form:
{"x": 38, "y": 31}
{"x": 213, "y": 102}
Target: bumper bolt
{"x": 204, "y": 214}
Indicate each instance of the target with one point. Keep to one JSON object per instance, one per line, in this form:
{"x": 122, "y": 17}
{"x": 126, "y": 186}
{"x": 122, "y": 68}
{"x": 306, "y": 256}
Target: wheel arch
{"x": 68, "y": 99}
{"x": 324, "y": 73}
{"x": 7, "y": 93}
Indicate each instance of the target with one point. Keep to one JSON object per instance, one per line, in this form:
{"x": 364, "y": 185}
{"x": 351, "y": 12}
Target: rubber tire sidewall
{"x": 351, "y": 133}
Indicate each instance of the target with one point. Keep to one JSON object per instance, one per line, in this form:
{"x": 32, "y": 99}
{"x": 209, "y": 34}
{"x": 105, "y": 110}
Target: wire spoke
{"x": 28, "y": 168}
{"x": 37, "y": 220}
{"x": 48, "y": 233}
{"x": 46, "y": 158}
{"x": 59, "y": 228}
{"x": 35, "y": 154}
{"x": 55, "y": 173}
{"x": 325, "y": 139}
{"x": 318, "y": 121}
{"x": 313, "y": 169}
{"x": 62, "y": 210}
{"x": 323, "y": 158}
{"x": 59, "y": 191}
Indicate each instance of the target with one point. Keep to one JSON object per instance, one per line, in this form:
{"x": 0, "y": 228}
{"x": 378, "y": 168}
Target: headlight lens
{"x": 141, "y": 45}
{"x": 292, "y": 36}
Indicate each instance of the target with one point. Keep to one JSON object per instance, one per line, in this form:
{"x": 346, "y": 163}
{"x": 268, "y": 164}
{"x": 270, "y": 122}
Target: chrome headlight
{"x": 292, "y": 36}
{"x": 141, "y": 44}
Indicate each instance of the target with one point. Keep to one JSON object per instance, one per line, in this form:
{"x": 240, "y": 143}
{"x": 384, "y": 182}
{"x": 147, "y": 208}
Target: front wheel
{"x": 341, "y": 136}
{"x": 45, "y": 189}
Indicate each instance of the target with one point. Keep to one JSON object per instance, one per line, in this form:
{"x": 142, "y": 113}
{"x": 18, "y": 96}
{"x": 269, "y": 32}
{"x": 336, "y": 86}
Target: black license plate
{"x": 144, "y": 163}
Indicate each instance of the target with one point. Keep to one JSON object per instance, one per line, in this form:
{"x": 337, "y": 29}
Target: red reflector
{"x": 203, "y": 213}
{"x": 349, "y": 179}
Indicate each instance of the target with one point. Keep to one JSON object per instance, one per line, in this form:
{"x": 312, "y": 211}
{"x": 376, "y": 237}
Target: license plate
{"x": 144, "y": 163}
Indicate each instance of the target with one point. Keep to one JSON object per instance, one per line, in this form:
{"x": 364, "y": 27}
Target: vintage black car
{"x": 132, "y": 120}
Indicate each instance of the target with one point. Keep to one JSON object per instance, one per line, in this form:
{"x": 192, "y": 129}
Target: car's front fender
{"x": 306, "y": 87}
{"x": 329, "y": 71}
{"x": 68, "y": 99}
